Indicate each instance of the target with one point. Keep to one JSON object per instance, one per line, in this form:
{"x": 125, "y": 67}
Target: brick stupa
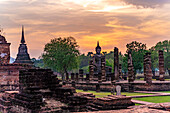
{"x": 23, "y": 56}
{"x": 4, "y": 50}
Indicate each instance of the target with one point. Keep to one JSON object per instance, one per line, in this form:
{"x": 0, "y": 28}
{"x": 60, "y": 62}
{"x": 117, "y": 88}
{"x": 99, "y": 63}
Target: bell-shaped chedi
{"x": 23, "y": 56}
{"x": 4, "y": 50}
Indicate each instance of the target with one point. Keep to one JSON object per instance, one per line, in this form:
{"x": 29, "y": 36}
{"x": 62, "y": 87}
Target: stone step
{"x": 90, "y": 108}
{"x": 142, "y": 102}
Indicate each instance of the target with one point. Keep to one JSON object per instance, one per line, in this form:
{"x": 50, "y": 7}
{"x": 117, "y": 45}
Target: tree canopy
{"x": 165, "y": 46}
{"x": 61, "y": 54}
{"x": 138, "y": 50}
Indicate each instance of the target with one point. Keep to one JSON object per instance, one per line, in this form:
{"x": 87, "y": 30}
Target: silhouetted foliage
{"x": 84, "y": 61}
{"x": 38, "y": 62}
{"x": 90, "y": 54}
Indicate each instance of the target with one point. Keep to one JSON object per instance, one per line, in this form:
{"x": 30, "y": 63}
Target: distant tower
{"x": 23, "y": 56}
{"x": 4, "y": 50}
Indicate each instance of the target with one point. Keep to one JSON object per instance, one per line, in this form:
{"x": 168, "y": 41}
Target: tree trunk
{"x": 153, "y": 72}
{"x": 63, "y": 77}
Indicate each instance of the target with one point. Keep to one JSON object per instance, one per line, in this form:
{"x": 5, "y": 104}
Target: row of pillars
{"x": 102, "y": 74}
{"x": 77, "y": 76}
{"x": 148, "y": 70}
{"x": 117, "y": 68}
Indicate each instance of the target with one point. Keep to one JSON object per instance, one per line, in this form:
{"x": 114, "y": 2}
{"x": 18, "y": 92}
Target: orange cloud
{"x": 112, "y": 22}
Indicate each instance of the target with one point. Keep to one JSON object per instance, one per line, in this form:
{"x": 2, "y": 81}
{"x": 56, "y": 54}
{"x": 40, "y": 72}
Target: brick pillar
{"x": 103, "y": 66}
{"x": 98, "y": 87}
{"x": 144, "y": 67}
{"x": 72, "y": 76}
{"x": 161, "y": 66}
{"x": 91, "y": 70}
{"x": 81, "y": 74}
{"x": 112, "y": 75}
{"x": 77, "y": 77}
{"x": 116, "y": 63}
{"x": 120, "y": 70}
{"x": 148, "y": 68}
{"x": 73, "y": 83}
{"x": 131, "y": 75}
{"x": 99, "y": 77}
{"x": 131, "y": 87}
{"x": 67, "y": 77}
{"x": 87, "y": 77}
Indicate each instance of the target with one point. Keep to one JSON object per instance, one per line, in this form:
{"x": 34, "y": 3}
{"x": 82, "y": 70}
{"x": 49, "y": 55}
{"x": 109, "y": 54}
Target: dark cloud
{"x": 129, "y": 20}
{"x": 147, "y": 3}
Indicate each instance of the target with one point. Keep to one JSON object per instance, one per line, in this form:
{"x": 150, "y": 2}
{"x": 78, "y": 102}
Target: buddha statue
{"x": 97, "y": 59}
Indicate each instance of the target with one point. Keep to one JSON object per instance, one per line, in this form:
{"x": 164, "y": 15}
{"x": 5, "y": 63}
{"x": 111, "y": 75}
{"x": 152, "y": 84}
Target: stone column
{"x": 98, "y": 87}
{"x": 72, "y": 77}
{"x": 148, "y": 68}
{"x": 73, "y": 83}
{"x": 161, "y": 66}
{"x": 116, "y": 63}
{"x": 91, "y": 70}
{"x": 99, "y": 82}
{"x": 103, "y": 66}
{"x": 99, "y": 77}
{"x": 131, "y": 74}
{"x": 131, "y": 87}
{"x": 77, "y": 77}
{"x": 144, "y": 67}
{"x": 87, "y": 77}
{"x": 67, "y": 76}
{"x": 120, "y": 70}
{"x": 112, "y": 75}
{"x": 81, "y": 74}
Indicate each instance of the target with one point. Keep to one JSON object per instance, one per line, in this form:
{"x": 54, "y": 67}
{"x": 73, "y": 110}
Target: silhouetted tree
{"x": 90, "y": 54}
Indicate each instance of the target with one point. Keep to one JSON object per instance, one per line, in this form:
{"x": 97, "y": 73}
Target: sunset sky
{"x": 112, "y": 22}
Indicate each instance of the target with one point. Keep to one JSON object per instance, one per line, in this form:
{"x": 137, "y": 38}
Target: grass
{"x": 167, "y": 79}
{"x": 102, "y": 94}
{"x": 164, "y": 91}
{"x": 137, "y": 104}
{"x": 142, "y": 79}
{"x": 157, "y": 99}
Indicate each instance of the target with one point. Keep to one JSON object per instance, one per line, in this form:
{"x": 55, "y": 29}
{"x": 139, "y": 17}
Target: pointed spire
{"x": 98, "y": 47}
{"x": 22, "y": 37}
{"x": 97, "y": 43}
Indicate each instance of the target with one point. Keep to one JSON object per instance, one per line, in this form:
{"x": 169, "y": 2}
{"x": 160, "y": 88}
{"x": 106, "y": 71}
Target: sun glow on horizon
{"x": 112, "y": 22}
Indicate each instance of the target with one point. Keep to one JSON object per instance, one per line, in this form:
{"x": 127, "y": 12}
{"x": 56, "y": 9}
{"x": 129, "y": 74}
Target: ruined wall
{"x": 10, "y": 72}
{"x": 4, "y": 50}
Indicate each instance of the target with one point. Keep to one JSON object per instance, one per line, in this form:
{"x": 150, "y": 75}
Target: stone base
{"x": 110, "y": 102}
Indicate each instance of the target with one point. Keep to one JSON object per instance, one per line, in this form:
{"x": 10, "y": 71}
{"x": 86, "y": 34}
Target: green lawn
{"x": 158, "y": 99}
{"x": 137, "y": 104}
{"x": 165, "y": 91}
{"x": 102, "y": 94}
